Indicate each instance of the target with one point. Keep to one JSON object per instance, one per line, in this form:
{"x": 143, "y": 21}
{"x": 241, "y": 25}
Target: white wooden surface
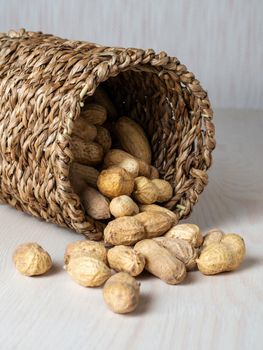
{"x": 218, "y": 312}
{"x": 220, "y": 41}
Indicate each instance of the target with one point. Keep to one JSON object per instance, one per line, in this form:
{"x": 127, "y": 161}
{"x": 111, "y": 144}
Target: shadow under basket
{"x": 44, "y": 81}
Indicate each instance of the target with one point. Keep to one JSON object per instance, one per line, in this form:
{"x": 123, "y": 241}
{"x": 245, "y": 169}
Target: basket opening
{"x": 162, "y": 110}
{"x": 166, "y": 110}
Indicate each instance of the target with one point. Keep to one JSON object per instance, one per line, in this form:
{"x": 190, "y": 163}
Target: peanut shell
{"x": 126, "y": 259}
{"x": 88, "y": 271}
{"x": 145, "y": 192}
{"x": 213, "y": 236}
{"x": 85, "y": 247}
{"x": 115, "y": 182}
{"x": 125, "y": 230}
{"x": 95, "y": 204}
{"x": 123, "y": 206}
{"x": 157, "y": 208}
{"x": 155, "y": 224}
{"x": 84, "y": 130}
{"x": 181, "y": 249}
{"x": 88, "y": 153}
{"x": 160, "y": 262}
{"x": 31, "y": 259}
{"x": 103, "y": 138}
{"x": 121, "y": 293}
{"x": 133, "y": 139}
{"x": 94, "y": 113}
{"x": 165, "y": 190}
{"x": 189, "y": 232}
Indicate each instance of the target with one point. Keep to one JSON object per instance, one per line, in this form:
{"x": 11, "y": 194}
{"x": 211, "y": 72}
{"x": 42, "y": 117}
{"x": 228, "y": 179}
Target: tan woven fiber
{"x": 44, "y": 81}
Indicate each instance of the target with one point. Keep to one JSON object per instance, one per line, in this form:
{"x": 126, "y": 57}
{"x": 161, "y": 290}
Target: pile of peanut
{"x": 120, "y": 187}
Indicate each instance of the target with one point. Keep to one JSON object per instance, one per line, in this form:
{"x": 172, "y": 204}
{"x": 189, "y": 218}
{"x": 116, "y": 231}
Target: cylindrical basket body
{"x": 44, "y": 81}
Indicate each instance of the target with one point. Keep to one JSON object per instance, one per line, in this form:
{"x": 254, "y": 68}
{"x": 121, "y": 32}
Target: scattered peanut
{"x": 31, "y": 259}
{"x": 189, "y": 232}
{"x": 160, "y": 262}
{"x": 221, "y": 257}
{"x": 87, "y": 271}
{"x": 181, "y": 249}
{"x": 85, "y": 248}
{"x": 212, "y": 236}
{"x": 155, "y": 224}
{"x": 237, "y": 246}
{"x": 126, "y": 259}
{"x": 121, "y": 293}
{"x": 157, "y": 208}
{"x": 125, "y": 230}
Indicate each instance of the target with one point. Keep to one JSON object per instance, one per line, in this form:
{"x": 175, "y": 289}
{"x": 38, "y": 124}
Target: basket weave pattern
{"x": 44, "y": 81}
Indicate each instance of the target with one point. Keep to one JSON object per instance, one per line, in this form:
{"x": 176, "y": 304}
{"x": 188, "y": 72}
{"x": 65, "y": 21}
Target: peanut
{"x": 87, "y": 271}
{"x": 123, "y": 206}
{"x": 31, "y": 259}
{"x": 165, "y": 190}
{"x": 160, "y": 262}
{"x": 116, "y": 157}
{"x": 77, "y": 184}
{"x": 237, "y": 245}
{"x": 133, "y": 139}
{"x": 84, "y": 130}
{"x": 154, "y": 173}
{"x": 115, "y": 182}
{"x": 94, "y": 113}
{"x": 155, "y": 224}
{"x": 144, "y": 168}
{"x": 85, "y": 247}
{"x": 145, "y": 191}
{"x": 189, "y": 232}
{"x": 103, "y": 138}
{"x": 102, "y": 98}
{"x": 121, "y": 293}
{"x": 157, "y": 208}
{"x": 83, "y": 172}
{"x": 130, "y": 165}
{"x": 126, "y": 259}
{"x": 221, "y": 257}
{"x": 181, "y": 249}
{"x": 95, "y": 204}
{"x": 89, "y": 153}
{"x": 125, "y": 230}
{"x": 212, "y": 236}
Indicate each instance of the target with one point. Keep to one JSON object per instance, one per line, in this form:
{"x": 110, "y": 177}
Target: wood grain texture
{"x": 217, "y": 312}
{"x": 220, "y": 41}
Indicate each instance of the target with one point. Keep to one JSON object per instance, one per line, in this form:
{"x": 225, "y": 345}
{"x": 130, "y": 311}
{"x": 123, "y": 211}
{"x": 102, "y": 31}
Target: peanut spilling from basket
{"x": 117, "y": 184}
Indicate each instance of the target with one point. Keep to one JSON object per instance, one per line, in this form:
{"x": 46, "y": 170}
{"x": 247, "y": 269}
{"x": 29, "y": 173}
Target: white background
{"x": 220, "y": 41}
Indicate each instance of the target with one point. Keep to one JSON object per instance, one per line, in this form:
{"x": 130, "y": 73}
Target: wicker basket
{"x": 44, "y": 81}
